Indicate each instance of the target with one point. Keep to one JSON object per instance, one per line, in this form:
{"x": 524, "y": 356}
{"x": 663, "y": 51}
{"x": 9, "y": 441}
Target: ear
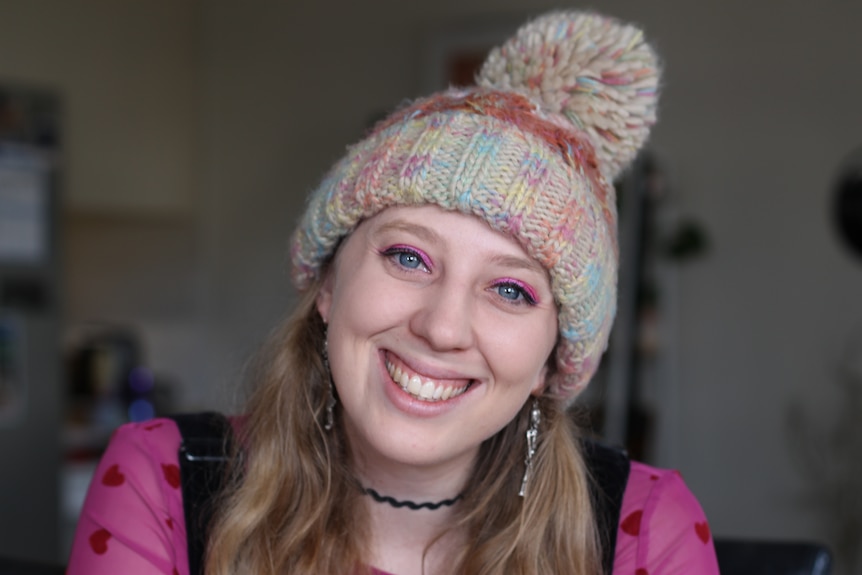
{"x": 324, "y": 297}
{"x": 541, "y": 382}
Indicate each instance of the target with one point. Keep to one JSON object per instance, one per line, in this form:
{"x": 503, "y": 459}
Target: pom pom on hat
{"x": 595, "y": 71}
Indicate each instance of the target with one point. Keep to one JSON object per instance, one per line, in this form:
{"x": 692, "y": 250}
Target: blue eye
{"x": 513, "y": 291}
{"x": 509, "y": 292}
{"x": 409, "y": 260}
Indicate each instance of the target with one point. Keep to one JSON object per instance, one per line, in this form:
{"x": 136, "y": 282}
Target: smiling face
{"x": 440, "y": 328}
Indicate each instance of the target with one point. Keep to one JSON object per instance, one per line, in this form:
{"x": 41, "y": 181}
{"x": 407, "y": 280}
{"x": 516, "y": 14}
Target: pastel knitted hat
{"x": 560, "y": 109}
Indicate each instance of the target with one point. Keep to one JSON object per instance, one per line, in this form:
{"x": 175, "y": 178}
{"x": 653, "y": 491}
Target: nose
{"x": 445, "y": 317}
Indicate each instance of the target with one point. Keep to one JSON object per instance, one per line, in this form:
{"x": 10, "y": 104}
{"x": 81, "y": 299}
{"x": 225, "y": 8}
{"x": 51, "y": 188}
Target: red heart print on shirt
{"x": 99, "y": 541}
{"x": 172, "y": 474}
{"x": 702, "y": 530}
{"x": 632, "y": 524}
{"x": 113, "y": 477}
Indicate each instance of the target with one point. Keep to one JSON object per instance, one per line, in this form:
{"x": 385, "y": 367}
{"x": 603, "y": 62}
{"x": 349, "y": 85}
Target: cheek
{"x": 367, "y": 302}
{"x": 521, "y": 352}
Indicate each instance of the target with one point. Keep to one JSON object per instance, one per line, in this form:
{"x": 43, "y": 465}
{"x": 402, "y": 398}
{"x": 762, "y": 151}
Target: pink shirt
{"x": 133, "y": 522}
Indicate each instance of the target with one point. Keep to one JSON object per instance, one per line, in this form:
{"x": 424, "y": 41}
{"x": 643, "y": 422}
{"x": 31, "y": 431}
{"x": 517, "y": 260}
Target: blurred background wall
{"x": 192, "y": 131}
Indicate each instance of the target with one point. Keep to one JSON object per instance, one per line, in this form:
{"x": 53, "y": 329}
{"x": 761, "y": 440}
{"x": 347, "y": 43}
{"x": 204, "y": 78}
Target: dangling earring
{"x": 330, "y": 401}
{"x": 532, "y": 440}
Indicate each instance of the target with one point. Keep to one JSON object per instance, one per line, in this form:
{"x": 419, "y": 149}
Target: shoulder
{"x": 133, "y": 514}
{"x": 143, "y": 454}
{"x": 662, "y": 521}
{"x": 155, "y": 437}
{"x": 149, "y": 451}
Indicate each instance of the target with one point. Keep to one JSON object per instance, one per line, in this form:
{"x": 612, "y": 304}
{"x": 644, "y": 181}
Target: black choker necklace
{"x": 412, "y": 505}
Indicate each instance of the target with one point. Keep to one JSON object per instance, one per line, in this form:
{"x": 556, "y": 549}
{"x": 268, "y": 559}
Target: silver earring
{"x": 330, "y": 402}
{"x": 532, "y": 440}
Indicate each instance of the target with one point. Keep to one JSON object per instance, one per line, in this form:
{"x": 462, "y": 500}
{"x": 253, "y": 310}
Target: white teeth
{"x": 426, "y": 390}
{"x": 414, "y": 386}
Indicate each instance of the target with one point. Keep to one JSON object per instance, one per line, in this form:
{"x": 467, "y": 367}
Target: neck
{"x": 400, "y": 536}
{"x": 404, "y": 482}
{"x": 407, "y": 515}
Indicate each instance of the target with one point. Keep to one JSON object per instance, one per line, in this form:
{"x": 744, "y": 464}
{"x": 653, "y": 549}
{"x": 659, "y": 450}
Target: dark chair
{"x": 9, "y": 566}
{"x": 747, "y": 557}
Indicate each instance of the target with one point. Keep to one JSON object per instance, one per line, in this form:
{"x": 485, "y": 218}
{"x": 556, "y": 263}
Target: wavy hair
{"x": 292, "y": 505}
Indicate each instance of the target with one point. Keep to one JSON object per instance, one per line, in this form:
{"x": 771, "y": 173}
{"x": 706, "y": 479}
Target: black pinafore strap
{"x": 609, "y": 468}
{"x": 204, "y": 453}
{"x": 205, "y": 450}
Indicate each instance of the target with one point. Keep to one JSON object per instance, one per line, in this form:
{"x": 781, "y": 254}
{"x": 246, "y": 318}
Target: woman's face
{"x": 440, "y": 328}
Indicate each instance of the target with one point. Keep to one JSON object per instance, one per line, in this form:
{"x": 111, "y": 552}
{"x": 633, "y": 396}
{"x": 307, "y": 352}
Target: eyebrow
{"x": 520, "y": 263}
{"x": 429, "y": 235}
{"x": 417, "y": 230}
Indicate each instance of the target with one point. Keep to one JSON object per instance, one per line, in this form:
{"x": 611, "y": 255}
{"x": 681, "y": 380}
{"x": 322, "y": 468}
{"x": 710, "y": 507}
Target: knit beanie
{"x": 559, "y": 110}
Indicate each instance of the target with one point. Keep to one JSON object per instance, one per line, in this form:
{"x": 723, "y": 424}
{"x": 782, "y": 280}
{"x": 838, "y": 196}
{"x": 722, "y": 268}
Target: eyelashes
{"x": 410, "y": 259}
{"x": 516, "y": 291}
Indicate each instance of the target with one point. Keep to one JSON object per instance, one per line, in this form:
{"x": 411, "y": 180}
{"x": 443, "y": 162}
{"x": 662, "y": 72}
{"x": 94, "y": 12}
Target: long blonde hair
{"x": 293, "y": 506}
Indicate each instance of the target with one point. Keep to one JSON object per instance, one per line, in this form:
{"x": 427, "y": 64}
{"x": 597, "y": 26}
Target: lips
{"x": 422, "y": 387}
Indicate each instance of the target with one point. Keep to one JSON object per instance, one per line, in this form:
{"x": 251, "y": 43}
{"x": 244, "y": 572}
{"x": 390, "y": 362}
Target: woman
{"x": 458, "y": 271}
